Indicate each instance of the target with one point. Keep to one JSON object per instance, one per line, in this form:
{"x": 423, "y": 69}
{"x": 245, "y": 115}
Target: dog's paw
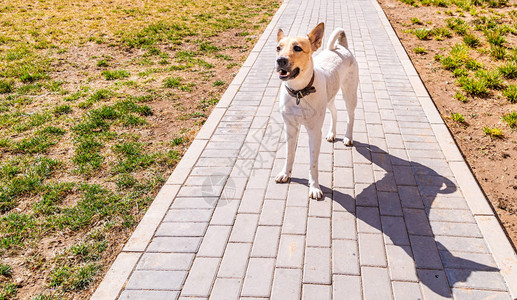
{"x": 331, "y": 137}
{"x": 315, "y": 192}
{"x": 281, "y": 177}
{"x": 348, "y": 142}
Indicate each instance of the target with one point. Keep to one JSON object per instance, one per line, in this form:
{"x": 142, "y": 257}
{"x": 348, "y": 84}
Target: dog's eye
{"x": 297, "y": 48}
{"x": 278, "y": 48}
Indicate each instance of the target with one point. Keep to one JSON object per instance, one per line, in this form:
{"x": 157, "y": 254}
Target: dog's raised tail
{"x": 338, "y": 35}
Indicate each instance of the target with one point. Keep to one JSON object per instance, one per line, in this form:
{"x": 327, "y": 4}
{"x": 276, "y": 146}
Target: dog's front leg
{"x": 314, "y": 148}
{"x": 291, "y": 130}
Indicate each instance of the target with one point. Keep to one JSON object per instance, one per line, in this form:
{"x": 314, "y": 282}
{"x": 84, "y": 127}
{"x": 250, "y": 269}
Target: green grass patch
{"x": 416, "y": 21}
{"x": 495, "y": 38}
{"x": 511, "y": 119}
{"x": 102, "y": 63}
{"x": 511, "y": 93}
{"x": 493, "y": 132}
{"x": 440, "y": 33}
{"x": 460, "y": 97}
{"x": 492, "y": 79}
{"x": 6, "y": 86}
{"x": 498, "y": 52}
{"x": 422, "y": 33}
{"x": 457, "y": 117}
{"x": 471, "y": 40}
{"x": 508, "y": 70}
{"x": 474, "y": 87}
{"x": 420, "y": 50}
{"x": 116, "y": 74}
{"x": 6, "y": 270}
{"x": 219, "y": 83}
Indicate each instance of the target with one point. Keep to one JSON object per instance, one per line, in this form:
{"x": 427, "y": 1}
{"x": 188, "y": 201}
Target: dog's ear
{"x": 316, "y": 36}
{"x": 280, "y": 35}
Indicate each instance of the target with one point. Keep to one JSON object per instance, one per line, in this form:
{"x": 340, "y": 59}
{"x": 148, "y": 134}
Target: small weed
{"x": 471, "y": 40}
{"x": 457, "y": 117}
{"x": 473, "y": 87}
{"x": 493, "y": 132}
{"x": 231, "y": 65}
{"x": 219, "y": 83}
{"x": 440, "y": 3}
{"x": 5, "y": 270}
{"x": 473, "y": 64}
{"x": 73, "y": 278}
{"x": 509, "y": 70}
{"x": 6, "y": 86}
{"x": 8, "y": 290}
{"x": 459, "y": 72}
{"x": 172, "y": 82}
{"x": 416, "y": 21}
{"x": 441, "y": 33}
{"x": 422, "y": 33}
{"x": 511, "y": 119}
{"x": 113, "y": 75}
{"x": 62, "y": 110}
{"x": 223, "y": 57}
{"x": 498, "y": 52}
{"x": 179, "y": 141}
{"x": 494, "y": 38}
{"x": 125, "y": 181}
{"x": 460, "y": 97}
{"x": 208, "y": 102}
{"x": 420, "y": 50}
{"x": 511, "y": 93}
{"x": 208, "y": 47}
{"x": 102, "y": 63}
{"x": 458, "y": 25}
{"x": 492, "y": 79}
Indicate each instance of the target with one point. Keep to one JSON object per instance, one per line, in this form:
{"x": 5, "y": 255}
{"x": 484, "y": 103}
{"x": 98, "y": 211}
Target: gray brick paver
{"x": 387, "y": 227}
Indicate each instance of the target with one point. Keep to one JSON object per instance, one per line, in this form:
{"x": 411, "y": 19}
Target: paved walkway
{"x": 402, "y": 218}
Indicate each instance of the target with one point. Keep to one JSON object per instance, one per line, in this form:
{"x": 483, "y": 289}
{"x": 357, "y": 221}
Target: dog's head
{"x": 294, "y": 54}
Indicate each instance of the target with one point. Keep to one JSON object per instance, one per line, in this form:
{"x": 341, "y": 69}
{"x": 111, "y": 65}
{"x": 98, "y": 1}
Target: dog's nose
{"x": 282, "y": 62}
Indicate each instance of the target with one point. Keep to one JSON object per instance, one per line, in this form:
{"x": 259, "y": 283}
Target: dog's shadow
{"x": 440, "y": 185}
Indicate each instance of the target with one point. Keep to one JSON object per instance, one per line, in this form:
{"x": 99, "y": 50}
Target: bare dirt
{"x": 493, "y": 160}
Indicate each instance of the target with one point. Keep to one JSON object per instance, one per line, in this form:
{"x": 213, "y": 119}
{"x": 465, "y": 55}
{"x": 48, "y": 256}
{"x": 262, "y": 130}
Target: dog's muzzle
{"x": 283, "y": 67}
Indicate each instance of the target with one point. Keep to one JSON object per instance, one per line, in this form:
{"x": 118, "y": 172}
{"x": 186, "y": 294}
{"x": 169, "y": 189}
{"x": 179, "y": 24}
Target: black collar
{"x": 309, "y": 89}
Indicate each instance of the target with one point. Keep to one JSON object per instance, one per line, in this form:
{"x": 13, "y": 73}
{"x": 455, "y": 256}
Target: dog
{"x": 309, "y": 88}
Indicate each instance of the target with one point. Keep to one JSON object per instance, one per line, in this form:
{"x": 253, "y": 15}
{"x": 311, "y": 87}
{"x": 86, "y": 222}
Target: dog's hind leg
{"x": 349, "y": 90}
{"x": 331, "y": 135}
{"x": 291, "y": 136}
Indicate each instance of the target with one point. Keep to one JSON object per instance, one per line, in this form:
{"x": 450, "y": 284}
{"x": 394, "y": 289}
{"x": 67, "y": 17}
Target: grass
{"x": 440, "y": 33}
{"x": 498, "y": 52}
{"x": 84, "y": 143}
{"x": 471, "y": 40}
{"x": 5, "y": 270}
{"x": 492, "y": 79}
{"x": 493, "y": 132}
{"x": 508, "y": 70}
{"x": 416, "y": 21}
{"x": 511, "y": 119}
{"x": 511, "y": 93}
{"x": 420, "y": 50}
{"x": 113, "y": 75}
{"x": 422, "y": 33}
{"x": 457, "y": 117}
{"x": 474, "y": 87}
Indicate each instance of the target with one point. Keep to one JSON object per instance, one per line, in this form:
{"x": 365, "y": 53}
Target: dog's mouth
{"x": 284, "y": 74}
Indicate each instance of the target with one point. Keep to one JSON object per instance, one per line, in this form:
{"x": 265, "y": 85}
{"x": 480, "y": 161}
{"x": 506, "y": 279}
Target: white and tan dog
{"x": 310, "y": 88}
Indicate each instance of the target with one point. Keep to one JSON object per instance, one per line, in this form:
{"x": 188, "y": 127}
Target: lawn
{"x": 98, "y": 102}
